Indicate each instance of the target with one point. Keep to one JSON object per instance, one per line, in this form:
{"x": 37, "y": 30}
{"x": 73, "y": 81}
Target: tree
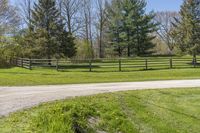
{"x": 101, "y": 21}
{"x": 188, "y": 27}
{"x": 115, "y": 26}
{"x": 67, "y": 47}
{"x": 26, "y": 8}
{"x": 45, "y": 17}
{"x": 9, "y": 17}
{"x": 84, "y": 50}
{"x": 70, "y": 10}
{"x": 48, "y": 37}
{"x": 166, "y": 19}
{"x": 87, "y": 21}
{"x": 135, "y": 27}
{"x": 9, "y": 24}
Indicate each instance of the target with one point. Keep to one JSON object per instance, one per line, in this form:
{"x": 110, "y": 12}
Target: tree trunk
{"x": 119, "y": 51}
{"x": 100, "y": 45}
{"x": 128, "y": 50}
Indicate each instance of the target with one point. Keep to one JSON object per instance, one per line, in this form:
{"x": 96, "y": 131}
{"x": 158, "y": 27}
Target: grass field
{"x": 148, "y": 111}
{"x": 23, "y": 77}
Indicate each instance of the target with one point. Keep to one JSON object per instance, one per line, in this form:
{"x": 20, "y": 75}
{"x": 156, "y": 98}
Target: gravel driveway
{"x": 15, "y": 98}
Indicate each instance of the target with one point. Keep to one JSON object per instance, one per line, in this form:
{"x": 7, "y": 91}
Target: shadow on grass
{"x": 6, "y": 67}
{"x": 86, "y": 68}
{"x": 116, "y": 70}
{"x": 23, "y": 73}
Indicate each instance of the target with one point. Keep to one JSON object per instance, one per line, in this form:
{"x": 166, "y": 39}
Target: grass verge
{"x": 147, "y": 111}
{"x": 23, "y": 77}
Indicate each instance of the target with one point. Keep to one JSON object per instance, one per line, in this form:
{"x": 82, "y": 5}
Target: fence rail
{"x": 109, "y": 64}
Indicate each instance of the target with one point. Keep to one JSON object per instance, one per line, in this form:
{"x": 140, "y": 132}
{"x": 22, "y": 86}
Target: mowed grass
{"x": 24, "y": 77}
{"x": 147, "y": 111}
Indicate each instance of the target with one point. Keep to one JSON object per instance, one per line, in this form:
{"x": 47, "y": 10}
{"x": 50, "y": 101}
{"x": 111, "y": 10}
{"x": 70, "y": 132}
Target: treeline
{"x": 96, "y": 29}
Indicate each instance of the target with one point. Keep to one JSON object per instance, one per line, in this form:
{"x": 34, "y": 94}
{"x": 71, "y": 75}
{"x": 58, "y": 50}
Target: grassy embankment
{"x": 148, "y": 111}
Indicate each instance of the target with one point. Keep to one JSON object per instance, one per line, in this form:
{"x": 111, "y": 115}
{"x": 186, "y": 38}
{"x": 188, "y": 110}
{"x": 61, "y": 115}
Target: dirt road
{"x": 15, "y": 98}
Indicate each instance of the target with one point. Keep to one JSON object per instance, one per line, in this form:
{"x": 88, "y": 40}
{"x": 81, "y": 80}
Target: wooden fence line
{"x": 144, "y": 63}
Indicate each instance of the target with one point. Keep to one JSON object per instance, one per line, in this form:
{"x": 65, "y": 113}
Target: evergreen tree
{"x": 45, "y": 17}
{"x": 188, "y": 27}
{"x": 48, "y": 35}
{"x": 115, "y": 26}
{"x": 67, "y": 47}
{"x": 135, "y": 26}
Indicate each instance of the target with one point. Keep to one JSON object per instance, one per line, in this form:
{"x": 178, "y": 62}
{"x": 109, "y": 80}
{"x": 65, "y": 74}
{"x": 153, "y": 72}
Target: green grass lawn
{"x": 147, "y": 111}
{"x": 22, "y": 77}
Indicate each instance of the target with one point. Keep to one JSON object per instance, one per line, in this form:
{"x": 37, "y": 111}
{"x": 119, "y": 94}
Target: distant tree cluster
{"x": 181, "y": 31}
{"x": 9, "y": 17}
{"x": 9, "y": 23}
{"x": 96, "y": 29}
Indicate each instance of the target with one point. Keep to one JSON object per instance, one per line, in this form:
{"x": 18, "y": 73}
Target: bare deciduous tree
{"x": 71, "y": 12}
{"x": 87, "y": 19}
{"x": 165, "y": 19}
{"x": 26, "y": 7}
{"x": 101, "y": 20}
{"x": 9, "y": 18}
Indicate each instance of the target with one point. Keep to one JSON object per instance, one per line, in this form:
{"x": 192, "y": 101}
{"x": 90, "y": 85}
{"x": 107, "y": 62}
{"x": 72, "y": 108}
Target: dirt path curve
{"x": 16, "y": 98}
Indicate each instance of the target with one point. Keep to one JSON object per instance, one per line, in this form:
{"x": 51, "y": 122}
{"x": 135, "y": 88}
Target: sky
{"x": 164, "y": 5}
{"x": 156, "y": 5}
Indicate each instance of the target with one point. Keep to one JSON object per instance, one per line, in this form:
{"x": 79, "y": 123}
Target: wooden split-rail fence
{"x": 109, "y": 64}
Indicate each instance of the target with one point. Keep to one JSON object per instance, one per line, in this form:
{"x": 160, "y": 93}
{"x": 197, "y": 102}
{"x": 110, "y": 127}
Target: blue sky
{"x": 156, "y": 5}
{"x": 164, "y": 5}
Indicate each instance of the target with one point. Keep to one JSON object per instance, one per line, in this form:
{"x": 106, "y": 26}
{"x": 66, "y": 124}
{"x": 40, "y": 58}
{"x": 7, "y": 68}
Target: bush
{"x": 84, "y": 50}
{"x": 9, "y": 49}
{"x": 4, "y": 62}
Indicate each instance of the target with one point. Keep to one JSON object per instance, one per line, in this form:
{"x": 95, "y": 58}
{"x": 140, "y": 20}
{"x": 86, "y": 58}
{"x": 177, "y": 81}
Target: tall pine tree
{"x": 188, "y": 27}
{"x": 48, "y": 35}
{"x": 116, "y": 26}
{"x": 136, "y": 27}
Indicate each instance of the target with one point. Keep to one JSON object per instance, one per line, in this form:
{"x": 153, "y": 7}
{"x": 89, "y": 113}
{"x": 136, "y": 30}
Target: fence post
{"x": 146, "y": 64}
{"x": 57, "y": 67}
{"x": 30, "y": 64}
{"x": 120, "y": 65}
{"x": 171, "y": 63}
{"x": 195, "y": 61}
{"x": 90, "y": 65}
{"x": 16, "y": 62}
{"x": 22, "y": 62}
